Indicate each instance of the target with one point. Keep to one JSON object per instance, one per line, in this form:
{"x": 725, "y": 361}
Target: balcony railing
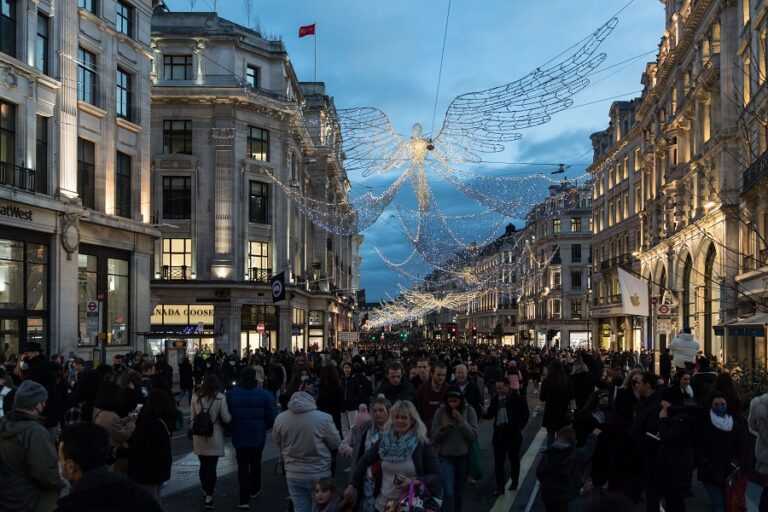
{"x": 755, "y": 172}
{"x": 615, "y": 261}
{"x": 17, "y": 176}
{"x": 181, "y": 273}
{"x": 259, "y": 275}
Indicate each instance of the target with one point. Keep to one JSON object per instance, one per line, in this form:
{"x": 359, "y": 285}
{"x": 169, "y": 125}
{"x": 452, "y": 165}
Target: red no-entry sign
{"x": 260, "y": 328}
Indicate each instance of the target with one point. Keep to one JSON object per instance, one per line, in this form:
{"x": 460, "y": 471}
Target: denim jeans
{"x": 454, "y": 470}
{"x": 716, "y": 497}
{"x": 301, "y": 494}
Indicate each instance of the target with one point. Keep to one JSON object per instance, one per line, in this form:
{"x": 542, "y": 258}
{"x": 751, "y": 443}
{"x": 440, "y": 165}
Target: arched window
{"x": 689, "y": 296}
{"x": 709, "y": 298}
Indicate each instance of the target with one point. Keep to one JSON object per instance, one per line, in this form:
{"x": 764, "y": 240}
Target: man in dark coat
{"x": 395, "y": 386}
{"x": 644, "y": 432}
{"x": 83, "y": 452}
{"x": 35, "y": 366}
{"x": 509, "y": 412}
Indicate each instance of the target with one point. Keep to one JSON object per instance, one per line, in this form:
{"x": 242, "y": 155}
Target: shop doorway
{"x": 10, "y": 336}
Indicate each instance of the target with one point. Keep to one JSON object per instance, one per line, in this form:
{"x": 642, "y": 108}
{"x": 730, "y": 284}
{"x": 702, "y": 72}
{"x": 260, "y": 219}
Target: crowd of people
{"x": 406, "y": 416}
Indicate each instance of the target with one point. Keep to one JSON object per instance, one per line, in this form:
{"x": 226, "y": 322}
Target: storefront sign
{"x": 14, "y": 212}
{"x": 182, "y": 314}
{"x": 747, "y": 331}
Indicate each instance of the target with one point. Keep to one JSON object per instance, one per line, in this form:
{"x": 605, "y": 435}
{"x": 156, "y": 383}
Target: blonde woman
{"x": 404, "y": 454}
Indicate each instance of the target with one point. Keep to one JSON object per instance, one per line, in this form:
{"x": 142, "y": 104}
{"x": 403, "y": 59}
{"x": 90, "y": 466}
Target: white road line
{"x": 532, "y": 499}
{"x": 505, "y": 501}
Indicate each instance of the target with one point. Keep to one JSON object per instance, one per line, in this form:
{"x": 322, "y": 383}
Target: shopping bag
{"x": 419, "y": 499}
{"x": 475, "y": 461}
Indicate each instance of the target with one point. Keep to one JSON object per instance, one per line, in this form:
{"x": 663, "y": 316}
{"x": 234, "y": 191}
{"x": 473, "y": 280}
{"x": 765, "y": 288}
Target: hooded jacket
{"x": 758, "y": 425}
{"x": 305, "y": 437}
{"x": 29, "y": 469}
{"x": 683, "y": 349}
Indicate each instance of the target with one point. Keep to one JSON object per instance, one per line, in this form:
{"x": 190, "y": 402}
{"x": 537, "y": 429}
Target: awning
{"x": 751, "y": 326}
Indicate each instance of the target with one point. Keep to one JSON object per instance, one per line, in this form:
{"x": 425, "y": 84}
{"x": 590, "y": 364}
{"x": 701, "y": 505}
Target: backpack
{"x": 202, "y": 424}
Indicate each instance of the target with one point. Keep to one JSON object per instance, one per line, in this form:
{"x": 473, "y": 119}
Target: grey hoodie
{"x": 305, "y": 437}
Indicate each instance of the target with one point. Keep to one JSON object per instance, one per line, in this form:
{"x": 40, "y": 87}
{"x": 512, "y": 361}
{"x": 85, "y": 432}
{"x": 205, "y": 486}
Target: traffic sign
{"x": 349, "y": 337}
{"x": 663, "y": 310}
{"x": 260, "y": 327}
{"x": 654, "y": 300}
{"x": 92, "y": 306}
{"x": 100, "y": 295}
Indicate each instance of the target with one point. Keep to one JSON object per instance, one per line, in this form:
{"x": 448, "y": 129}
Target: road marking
{"x": 505, "y": 501}
{"x": 532, "y": 499}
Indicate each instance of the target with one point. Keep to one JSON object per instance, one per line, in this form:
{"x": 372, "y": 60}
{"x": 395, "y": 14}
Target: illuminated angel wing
{"x": 480, "y": 122}
{"x": 370, "y": 144}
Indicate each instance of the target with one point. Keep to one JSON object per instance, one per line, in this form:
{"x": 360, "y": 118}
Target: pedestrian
{"x": 719, "y": 447}
{"x": 514, "y": 377}
{"x": 702, "y": 381}
{"x": 365, "y": 434}
{"x": 83, "y": 453}
{"x": 356, "y": 390}
{"x": 29, "y": 478}
{"x": 509, "y": 412}
{"x": 758, "y": 426}
{"x": 395, "y": 387}
{"x": 149, "y": 449}
{"x": 81, "y": 401}
{"x": 583, "y": 382}
{"x": 108, "y": 402}
{"x": 6, "y": 386}
{"x": 680, "y": 390}
{"x": 561, "y": 467}
{"x": 683, "y": 349}
{"x": 431, "y": 394}
{"x": 305, "y": 437}
{"x": 454, "y": 429}
{"x": 471, "y": 391}
{"x": 211, "y": 401}
{"x": 326, "y": 495}
{"x": 253, "y": 411}
{"x": 403, "y": 456}
{"x": 186, "y": 381}
{"x": 422, "y": 372}
{"x": 558, "y": 397}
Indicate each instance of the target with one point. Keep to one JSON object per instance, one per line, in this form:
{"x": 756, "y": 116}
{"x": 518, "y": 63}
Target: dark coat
{"x": 101, "y": 490}
{"x": 674, "y": 460}
{"x": 584, "y": 384}
{"x": 185, "y": 376}
{"x": 330, "y": 399}
{"x": 559, "y": 471}
{"x": 356, "y": 390}
{"x": 517, "y": 412}
{"x": 473, "y": 397}
{"x": 716, "y": 449}
{"x": 149, "y": 452}
{"x": 424, "y": 459}
{"x": 556, "y": 398}
{"x": 405, "y": 391}
{"x": 253, "y": 412}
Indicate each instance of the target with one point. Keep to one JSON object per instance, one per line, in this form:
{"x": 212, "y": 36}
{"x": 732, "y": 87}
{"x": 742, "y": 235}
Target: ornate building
{"x": 75, "y": 238}
{"x": 229, "y": 113}
{"x": 554, "y": 271}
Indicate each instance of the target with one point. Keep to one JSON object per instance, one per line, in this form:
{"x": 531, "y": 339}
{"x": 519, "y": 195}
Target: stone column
{"x": 284, "y": 322}
{"x": 68, "y": 26}
{"x": 222, "y": 265}
{"x": 226, "y": 318}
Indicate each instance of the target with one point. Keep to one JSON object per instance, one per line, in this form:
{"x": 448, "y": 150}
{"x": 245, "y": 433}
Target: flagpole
{"x": 315, "y": 34}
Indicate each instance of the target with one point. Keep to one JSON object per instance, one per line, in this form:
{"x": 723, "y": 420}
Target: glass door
{"x": 10, "y": 336}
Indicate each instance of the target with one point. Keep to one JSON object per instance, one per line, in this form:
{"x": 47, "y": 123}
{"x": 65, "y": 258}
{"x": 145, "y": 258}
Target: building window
{"x": 556, "y": 226}
{"x": 252, "y": 76}
{"x": 177, "y": 67}
{"x": 41, "y": 155}
{"x": 177, "y": 258}
{"x": 7, "y": 136}
{"x": 102, "y": 270}
{"x": 258, "y": 202}
{"x": 41, "y": 44}
{"x": 258, "y": 144}
{"x": 556, "y": 255}
{"x": 86, "y": 76}
{"x": 619, "y": 209}
{"x": 557, "y": 280}
{"x": 638, "y": 200}
{"x": 575, "y": 280}
{"x": 124, "y": 20}
{"x": 177, "y": 197}
{"x": 177, "y": 137}
{"x": 258, "y": 262}
{"x": 123, "y": 98}
{"x": 637, "y": 159}
{"x": 117, "y": 301}
{"x": 576, "y": 313}
{"x": 123, "y": 185}
{"x": 625, "y": 167}
{"x": 8, "y": 27}
{"x": 555, "y": 309}
{"x": 576, "y": 253}
{"x": 88, "y": 5}
{"x": 86, "y": 172}
{"x": 576, "y": 224}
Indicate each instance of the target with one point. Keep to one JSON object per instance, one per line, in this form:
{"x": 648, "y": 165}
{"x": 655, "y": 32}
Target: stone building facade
{"x": 229, "y": 114}
{"x": 74, "y": 174}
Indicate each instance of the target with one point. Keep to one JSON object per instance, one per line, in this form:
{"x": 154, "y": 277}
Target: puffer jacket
{"x": 305, "y": 437}
{"x": 683, "y": 349}
{"x": 29, "y": 469}
{"x": 758, "y": 425}
{"x": 253, "y": 412}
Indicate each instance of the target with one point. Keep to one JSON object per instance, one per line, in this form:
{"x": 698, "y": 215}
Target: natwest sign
{"x": 14, "y": 212}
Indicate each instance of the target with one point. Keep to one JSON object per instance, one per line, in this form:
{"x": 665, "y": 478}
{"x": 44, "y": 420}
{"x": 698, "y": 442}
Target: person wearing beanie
{"x": 30, "y": 479}
{"x": 253, "y": 411}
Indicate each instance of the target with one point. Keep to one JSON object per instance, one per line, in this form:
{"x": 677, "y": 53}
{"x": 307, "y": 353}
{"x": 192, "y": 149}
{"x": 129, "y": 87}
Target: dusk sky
{"x": 387, "y": 55}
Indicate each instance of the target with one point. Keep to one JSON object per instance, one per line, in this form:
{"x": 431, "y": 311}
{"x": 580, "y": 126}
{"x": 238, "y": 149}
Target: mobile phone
{"x": 399, "y": 479}
{"x": 653, "y": 436}
{"x": 137, "y": 410}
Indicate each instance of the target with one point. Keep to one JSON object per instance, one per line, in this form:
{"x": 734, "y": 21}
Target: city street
{"x": 183, "y": 493}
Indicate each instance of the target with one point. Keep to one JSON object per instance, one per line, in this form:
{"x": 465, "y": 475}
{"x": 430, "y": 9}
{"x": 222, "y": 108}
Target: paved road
{"x": 183, "y": 492}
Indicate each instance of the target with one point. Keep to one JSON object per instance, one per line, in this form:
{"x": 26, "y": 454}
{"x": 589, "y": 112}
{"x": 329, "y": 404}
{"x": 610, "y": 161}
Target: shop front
{"x": 190, "y": 325}
{"x": 259, "y": 327}
{"x": 579, "y": 340}
{"x": 316, "y": 323}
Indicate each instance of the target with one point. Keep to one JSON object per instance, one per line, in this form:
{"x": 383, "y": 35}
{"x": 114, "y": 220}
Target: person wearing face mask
{"x": 593, "y": 415}
{"x": 30, "y": 479}
{"x": 719, "y": 444}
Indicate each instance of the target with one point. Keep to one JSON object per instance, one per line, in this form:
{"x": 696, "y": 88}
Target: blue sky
{"x": 387, "y": 55}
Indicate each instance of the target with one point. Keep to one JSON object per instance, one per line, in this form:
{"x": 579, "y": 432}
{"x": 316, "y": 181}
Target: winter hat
{"x": 28, "y": 394}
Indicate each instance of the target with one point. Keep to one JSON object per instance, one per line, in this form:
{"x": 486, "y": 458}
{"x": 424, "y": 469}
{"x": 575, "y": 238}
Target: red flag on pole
{"x": 307, "y": 30}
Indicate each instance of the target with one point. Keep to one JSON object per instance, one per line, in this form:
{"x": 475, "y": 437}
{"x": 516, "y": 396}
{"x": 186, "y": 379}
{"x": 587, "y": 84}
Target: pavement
{"x": 182, "y": 493}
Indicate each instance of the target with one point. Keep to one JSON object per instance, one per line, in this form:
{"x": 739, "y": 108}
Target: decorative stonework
{"x": 8, "y": 78}
{"x": 222, "y": 136}
{"x": 69, "y": 233}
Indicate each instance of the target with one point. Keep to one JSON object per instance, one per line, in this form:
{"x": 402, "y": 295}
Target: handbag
{"x": 416, "y": 499}
{"x": 475, "y": 461}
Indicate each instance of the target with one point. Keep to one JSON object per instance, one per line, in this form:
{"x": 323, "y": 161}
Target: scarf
{"x": 724, "y": 423}
{"x": 397, "y": 449}
{"x": 501, "y": 415}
